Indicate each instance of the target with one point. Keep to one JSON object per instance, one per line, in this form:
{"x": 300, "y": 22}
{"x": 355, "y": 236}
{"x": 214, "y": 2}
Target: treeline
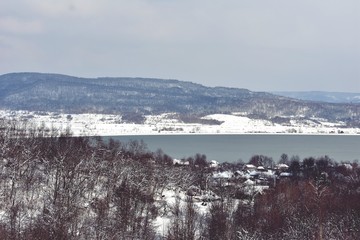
{"x": 53, "y": 186}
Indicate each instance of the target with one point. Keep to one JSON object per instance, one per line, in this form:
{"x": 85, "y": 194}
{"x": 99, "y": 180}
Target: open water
{"x": 231, "y": 148}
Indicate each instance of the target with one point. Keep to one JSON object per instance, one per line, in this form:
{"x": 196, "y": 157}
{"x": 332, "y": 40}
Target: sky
{"x": 262, "y": 45}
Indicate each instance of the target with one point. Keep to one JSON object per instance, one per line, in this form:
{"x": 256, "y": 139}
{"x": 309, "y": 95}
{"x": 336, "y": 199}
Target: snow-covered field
{"x": 112, "y": 125}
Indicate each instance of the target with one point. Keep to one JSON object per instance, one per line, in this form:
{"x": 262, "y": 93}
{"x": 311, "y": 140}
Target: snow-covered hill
{"x": 137, "y": 98}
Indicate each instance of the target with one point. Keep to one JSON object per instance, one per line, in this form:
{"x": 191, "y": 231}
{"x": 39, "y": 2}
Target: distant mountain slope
{"x": 54, "y": 92}
{"x": 330, "y": 97}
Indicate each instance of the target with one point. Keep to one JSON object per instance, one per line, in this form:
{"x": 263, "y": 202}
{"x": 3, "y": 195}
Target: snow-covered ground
{"x": 112, "y": 125}
{"x": 167, "y": 204}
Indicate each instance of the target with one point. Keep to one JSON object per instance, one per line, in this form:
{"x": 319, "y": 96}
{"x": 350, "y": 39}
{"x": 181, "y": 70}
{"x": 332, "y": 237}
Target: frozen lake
{"x": 231, "y": 148}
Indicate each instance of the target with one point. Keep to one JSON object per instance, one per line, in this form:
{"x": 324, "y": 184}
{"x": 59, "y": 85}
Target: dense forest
{"x": 54, "y": 186}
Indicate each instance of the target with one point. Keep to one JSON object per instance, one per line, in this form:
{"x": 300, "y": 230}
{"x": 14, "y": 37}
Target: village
{"x": 248, "y": 178}
{"x": 255, "y": 177}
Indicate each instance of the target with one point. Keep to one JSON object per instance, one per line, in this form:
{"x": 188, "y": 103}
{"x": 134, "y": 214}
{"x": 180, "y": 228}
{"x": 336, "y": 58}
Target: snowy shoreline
{"x": 166, "y": 124}
{"x": 224, "y": 134}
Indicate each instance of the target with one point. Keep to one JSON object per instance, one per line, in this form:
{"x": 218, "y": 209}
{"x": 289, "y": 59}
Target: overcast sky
{"x": 256, "y": 44}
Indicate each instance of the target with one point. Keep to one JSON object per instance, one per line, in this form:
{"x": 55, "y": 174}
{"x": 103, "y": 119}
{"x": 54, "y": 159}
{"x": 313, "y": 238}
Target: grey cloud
{"x": 261, "y": 45}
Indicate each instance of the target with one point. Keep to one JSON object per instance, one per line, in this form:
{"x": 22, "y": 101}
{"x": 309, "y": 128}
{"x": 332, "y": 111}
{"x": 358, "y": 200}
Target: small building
{"x": 178, "y": 162}
{"x": 214, "y": 164}
{"x": 285, "y": 175}
{"x": 261, "y": 169}
{"x": 281, "y": 167}
{"x": 222, "y": 175}
{"x": 249, "y": 167}
{"x": 249, "y": 182}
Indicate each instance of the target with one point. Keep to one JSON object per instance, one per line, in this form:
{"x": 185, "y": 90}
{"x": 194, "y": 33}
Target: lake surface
{"x": 231, "y": 148}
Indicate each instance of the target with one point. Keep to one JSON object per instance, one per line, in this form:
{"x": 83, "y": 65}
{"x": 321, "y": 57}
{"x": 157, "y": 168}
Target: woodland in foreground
{"x": 54, "y": 186}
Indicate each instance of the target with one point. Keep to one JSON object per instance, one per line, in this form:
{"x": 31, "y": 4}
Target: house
{"x": 281, "y": 167}
{"x": 285, "y": 175}
{"x": 178, "y": 162}
{"x": 261, "y": 169}
{"x": 222, "y": 175}
{"x": 214, "y": 164}
{"x": 249, "y": 167}
{"x": 222, "y": 178}
{"x": 249, "y": 182}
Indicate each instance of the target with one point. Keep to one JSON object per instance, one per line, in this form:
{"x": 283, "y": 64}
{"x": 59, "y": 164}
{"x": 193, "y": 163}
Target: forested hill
{"x": 60, "y": 93}
{"x": 331, "y": 97}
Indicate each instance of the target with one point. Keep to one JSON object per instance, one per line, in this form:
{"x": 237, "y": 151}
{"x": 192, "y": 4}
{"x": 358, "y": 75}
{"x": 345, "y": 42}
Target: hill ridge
{"x": 125, "y": 95}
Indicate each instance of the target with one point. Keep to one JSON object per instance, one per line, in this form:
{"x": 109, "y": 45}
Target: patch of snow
{"x": 249, "y": 182}
{"x": 222, "y": 175}
{"x": 348, "y": 166}
{"x": 285, "y": 174}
